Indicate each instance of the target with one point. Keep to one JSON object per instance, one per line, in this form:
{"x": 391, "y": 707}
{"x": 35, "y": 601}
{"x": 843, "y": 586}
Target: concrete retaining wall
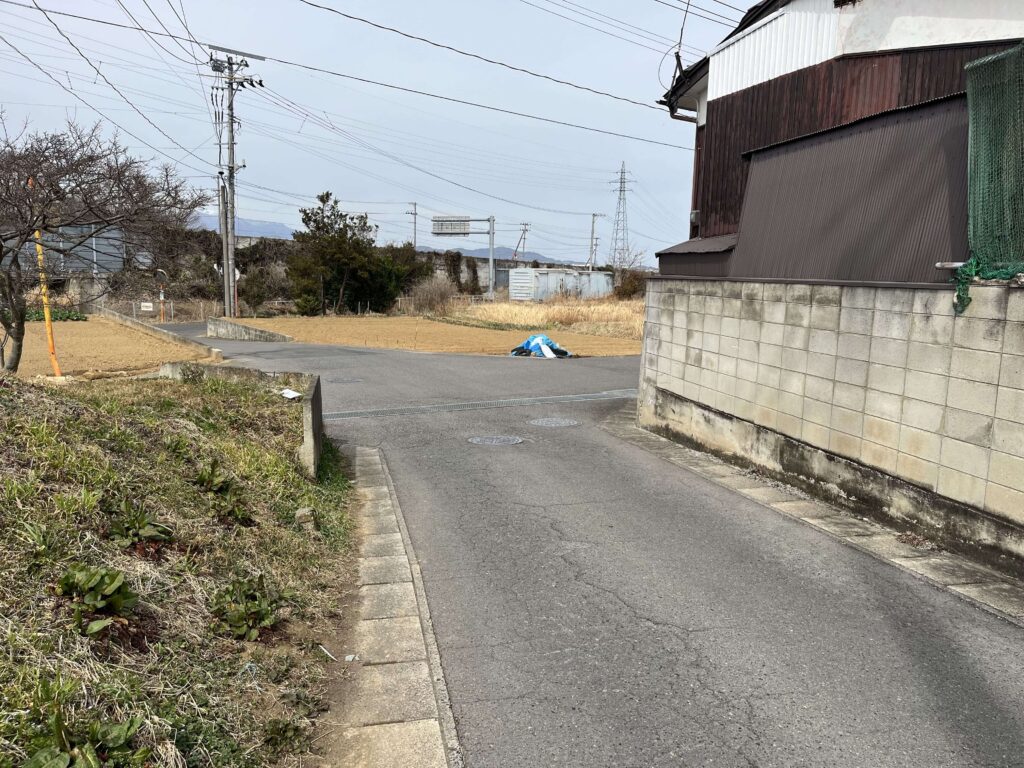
{"x": 879, "y": 397}
{"x": 221, "y": 328}
{"x": 159, "y": 333}
{"x": 310, "y": 451}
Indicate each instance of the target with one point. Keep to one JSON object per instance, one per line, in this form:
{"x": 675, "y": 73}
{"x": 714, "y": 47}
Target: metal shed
{"x": 529, "y": 284}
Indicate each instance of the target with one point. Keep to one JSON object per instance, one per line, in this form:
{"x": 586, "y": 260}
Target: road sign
{"x": 450, "y": 226}
{"x": 146, "y": 306}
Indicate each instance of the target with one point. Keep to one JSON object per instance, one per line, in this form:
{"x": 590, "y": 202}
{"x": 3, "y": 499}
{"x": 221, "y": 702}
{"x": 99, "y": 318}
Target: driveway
{"x": 595, "y": 605}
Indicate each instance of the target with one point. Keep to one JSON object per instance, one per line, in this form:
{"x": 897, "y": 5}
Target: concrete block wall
{"x": 887, "y": 377}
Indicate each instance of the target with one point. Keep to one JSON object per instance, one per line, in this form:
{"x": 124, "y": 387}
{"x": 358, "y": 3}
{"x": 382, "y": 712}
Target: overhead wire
{"x": 116, "y": 89}
{"x": 476, "y": 56}
{"x": 391, "y": 86}
{"x": 176, "y": 161}
{"x": 413, "y": 166}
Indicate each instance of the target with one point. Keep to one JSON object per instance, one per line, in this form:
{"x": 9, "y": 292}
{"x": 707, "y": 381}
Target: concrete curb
{"x": 987, "y": 589}
{"x": 394, "y": 707}
{"x": 211, "y": 353}
{"x": 222, "y": 328}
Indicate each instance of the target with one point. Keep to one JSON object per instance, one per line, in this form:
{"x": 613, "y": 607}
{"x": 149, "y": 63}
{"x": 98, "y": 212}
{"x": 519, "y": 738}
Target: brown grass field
{"x": 96, "y": 345}
{"x": 601, "y": 317}
{"x": 422, "y": 334}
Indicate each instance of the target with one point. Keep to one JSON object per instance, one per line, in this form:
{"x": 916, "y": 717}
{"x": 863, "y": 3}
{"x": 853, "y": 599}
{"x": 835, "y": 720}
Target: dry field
{"x": 601, "y": 317}
{"x": 96, "y": 345}
{"x": 425, "y": 335}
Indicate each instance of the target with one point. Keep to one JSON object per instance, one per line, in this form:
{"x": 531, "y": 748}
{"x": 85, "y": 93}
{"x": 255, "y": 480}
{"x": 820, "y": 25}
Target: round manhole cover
{"x": 555, "y": 422}
{"x": 496, "y": 440}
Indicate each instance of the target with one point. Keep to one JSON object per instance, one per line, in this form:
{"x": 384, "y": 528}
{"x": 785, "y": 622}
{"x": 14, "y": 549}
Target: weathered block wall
{"x": 888, "y": 378}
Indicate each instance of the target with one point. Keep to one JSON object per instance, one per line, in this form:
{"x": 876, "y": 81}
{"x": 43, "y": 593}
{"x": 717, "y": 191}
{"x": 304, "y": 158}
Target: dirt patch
{"x": 97, "y": 345}
{"x": 421, "y": 334}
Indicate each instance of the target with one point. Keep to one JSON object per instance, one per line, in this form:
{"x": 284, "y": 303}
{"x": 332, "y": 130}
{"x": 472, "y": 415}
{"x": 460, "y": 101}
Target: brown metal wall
{"x": 882, "y": 200}
{"x": 811, "y": 100}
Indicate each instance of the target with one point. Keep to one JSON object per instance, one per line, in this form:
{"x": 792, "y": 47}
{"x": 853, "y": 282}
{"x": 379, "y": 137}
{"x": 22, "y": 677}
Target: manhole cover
{"x": 496, "y": 440}
{"x": 555, "y": 422}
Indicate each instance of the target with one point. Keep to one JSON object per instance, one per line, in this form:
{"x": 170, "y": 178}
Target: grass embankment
{"x": 188, "y": 491}
{"x": 598, "y": 317}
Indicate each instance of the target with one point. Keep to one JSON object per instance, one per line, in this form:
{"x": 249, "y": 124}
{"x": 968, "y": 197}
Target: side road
{"x": 595, "y": 604}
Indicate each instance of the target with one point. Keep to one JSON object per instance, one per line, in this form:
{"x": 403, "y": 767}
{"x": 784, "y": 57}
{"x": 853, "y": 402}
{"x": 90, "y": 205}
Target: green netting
{"x": 995, "y": 95}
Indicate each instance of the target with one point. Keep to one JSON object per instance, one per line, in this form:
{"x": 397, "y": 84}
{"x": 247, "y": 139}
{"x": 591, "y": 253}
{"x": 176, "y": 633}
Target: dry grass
{"x": 96, "y": 345}
{"x": 600, "y": 317}
{"x": 425, "y": 335}
{"x": 69, "y": 461}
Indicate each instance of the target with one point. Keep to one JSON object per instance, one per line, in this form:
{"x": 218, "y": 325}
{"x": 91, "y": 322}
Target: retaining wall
{"x": 880, "y": 398}
{"x": 309, "y": 385}
{"x": 222, "y": 328}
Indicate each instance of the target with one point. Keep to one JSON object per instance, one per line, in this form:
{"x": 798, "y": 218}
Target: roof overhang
{"x": 705, "y": 245}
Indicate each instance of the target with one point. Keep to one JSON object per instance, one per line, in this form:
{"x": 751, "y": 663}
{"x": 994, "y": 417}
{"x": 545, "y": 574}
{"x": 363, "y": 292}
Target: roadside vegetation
{"x": 159, "y": 602}
{"x": 622, "y": 319}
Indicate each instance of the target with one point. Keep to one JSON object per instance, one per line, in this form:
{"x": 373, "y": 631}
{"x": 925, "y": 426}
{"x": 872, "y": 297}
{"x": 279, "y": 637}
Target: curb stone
{"x": 394, "y": 708}
{"x": 987, "y": 589}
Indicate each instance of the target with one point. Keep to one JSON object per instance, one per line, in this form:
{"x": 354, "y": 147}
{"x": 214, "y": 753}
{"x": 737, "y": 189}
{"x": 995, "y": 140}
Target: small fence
{"x": 148, "y": 310}
{"x": 406, "y": 305}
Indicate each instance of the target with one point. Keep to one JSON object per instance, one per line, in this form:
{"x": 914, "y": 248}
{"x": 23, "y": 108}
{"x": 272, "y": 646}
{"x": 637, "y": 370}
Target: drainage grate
{"x": 496, "y": 440}
{"x": 555, "y": 422}
{"x": 412, "y": 410}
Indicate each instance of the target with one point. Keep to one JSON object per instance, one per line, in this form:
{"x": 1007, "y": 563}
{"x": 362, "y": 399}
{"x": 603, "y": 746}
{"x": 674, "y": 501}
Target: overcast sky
{"x": 334, "y": 139}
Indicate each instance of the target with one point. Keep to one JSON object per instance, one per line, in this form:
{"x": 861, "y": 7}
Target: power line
{"x": 332, "y": 73}
{"x": 588, "y": 26}
{"x": 478, "y": 57}
{"x": 165, "y": 29}
{"x": 726, "y": 23}
{"x": 130, "y": 16}
{"x": 116, "y": 89}
{"x": 97, "y": 111}
{"x": 402, "y": 161}
{"x": 473, "y": 104}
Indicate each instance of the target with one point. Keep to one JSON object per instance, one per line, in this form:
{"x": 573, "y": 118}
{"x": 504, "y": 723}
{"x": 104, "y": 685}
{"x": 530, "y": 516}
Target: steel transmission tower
{"x": 620, "y": 254}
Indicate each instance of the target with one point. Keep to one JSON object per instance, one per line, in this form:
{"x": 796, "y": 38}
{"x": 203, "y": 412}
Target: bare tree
{"x": 72, "y": 186}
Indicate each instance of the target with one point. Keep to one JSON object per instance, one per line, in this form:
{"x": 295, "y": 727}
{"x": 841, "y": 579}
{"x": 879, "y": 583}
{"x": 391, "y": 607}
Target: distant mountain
{"x": 245, "y": 227}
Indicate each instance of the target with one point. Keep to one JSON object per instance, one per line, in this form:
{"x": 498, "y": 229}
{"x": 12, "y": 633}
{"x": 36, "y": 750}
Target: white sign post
{"x": 460, "y": 226}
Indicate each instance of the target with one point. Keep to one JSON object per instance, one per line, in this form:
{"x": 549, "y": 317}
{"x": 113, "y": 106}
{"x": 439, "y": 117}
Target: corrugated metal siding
{"x": 879, "y": 201}
{"x": 804, "y": 34}
{"x": 811, "y": 100}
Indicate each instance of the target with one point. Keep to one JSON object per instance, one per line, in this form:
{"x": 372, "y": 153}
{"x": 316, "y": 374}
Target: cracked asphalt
{"x": 595, "y": 605}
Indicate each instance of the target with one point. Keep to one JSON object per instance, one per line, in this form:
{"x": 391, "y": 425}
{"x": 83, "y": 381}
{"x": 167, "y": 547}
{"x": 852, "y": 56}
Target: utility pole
{"x": 414, "y": 214}
{"x": 592, "y": 258}
{"x": 230, "y": 68}
{"x": 490, "y": 259}
{"x": 222, "y": 202}
{"x": 521, "y": 243}
{"x": 620, "y": 250}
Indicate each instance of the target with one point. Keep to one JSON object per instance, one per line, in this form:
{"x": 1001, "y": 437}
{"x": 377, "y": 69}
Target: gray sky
{"x": 522, "y": 160}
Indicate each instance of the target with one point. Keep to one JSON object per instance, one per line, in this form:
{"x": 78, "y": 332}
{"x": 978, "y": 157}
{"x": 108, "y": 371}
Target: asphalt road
{"x": 596, "y": 606}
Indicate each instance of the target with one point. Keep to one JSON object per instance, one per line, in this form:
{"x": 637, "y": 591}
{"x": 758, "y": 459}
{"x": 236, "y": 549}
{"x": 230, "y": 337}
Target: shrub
{"x": 453, "y": 267}
{"x": 632, "y": 283}
{"x": 35, "y": 314}
{"x": 474, "y": 278}
{"x": 244, "y": 607}
{"x": 433, "y": 294}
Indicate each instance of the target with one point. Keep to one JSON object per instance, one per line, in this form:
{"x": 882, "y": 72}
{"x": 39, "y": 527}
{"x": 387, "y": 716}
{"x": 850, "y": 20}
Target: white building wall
{"x": 809, "y": 32}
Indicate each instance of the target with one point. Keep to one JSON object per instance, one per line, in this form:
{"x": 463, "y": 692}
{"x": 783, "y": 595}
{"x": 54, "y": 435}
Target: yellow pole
{"x": 45, "y": 291}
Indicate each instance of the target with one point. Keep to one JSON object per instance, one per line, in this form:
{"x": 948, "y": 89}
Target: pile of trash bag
{"x": 540, "y": 345}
